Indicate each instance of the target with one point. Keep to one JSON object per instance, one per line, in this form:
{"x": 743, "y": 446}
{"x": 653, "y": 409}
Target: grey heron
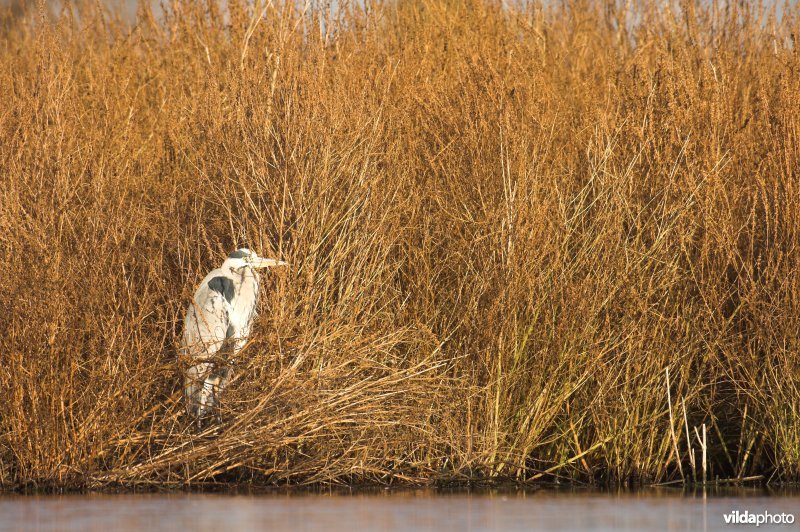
{"x": 217, "y": 326}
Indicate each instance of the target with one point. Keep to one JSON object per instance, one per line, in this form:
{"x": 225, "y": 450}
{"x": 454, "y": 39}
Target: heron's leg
{"x": 193, "y": 387}
{"x": 221, "y": 378}
{"x": 206, "y": 395}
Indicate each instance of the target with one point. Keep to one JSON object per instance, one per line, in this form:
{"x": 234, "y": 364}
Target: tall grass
{"x": 542, "y": 242}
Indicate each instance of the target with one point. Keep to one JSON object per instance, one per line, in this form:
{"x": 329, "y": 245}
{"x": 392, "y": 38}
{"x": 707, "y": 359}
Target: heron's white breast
{"x": 245, "y": 301}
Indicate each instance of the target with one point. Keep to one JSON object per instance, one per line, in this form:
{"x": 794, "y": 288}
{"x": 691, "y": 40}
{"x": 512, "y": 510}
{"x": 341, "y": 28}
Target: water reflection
{"x": 405, "y": 510}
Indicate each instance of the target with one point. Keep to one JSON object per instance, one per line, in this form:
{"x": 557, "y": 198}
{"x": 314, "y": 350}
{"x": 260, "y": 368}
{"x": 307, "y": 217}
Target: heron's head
{"x": 243, "y": 257}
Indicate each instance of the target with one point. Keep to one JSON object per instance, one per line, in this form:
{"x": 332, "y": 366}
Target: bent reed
{"x": 534, "y": 243}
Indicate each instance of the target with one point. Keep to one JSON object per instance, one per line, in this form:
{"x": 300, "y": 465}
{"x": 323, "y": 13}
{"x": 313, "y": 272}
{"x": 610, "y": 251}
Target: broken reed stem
{"x": 689, "y": 443}
{"x": 705, "y": 447}
{"x": 702, "y": 442}
{"x": 672, "y": 428}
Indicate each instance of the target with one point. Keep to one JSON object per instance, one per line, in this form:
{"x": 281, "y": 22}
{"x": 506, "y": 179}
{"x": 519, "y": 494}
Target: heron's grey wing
{"x": 224, "y": 286}
{"x": 207, "y": 324}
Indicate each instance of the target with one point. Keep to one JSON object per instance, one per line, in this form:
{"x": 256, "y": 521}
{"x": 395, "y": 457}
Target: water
{"x": 405, "y": 510}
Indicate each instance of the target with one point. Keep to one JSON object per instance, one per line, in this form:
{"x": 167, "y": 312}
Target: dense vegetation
{"x": 536, "y": 242}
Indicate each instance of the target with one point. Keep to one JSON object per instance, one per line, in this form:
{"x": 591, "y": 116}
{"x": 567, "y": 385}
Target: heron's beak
{"x": 261, "y": 262}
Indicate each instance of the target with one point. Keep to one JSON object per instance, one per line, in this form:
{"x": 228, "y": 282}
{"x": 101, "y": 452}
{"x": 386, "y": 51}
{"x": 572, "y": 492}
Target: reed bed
{"x": 539, "y": 242}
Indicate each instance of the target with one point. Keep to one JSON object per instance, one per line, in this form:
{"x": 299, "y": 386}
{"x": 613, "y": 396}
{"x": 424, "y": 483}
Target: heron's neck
{"x": 248, "y": 279}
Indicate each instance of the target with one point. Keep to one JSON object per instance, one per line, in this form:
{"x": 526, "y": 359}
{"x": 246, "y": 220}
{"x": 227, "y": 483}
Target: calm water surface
{"x": 407, "y": 510}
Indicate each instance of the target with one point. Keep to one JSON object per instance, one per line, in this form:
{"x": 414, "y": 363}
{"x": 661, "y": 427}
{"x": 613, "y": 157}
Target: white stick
{"x": 672, "y": 430}
{"x": 702, "y": 442}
